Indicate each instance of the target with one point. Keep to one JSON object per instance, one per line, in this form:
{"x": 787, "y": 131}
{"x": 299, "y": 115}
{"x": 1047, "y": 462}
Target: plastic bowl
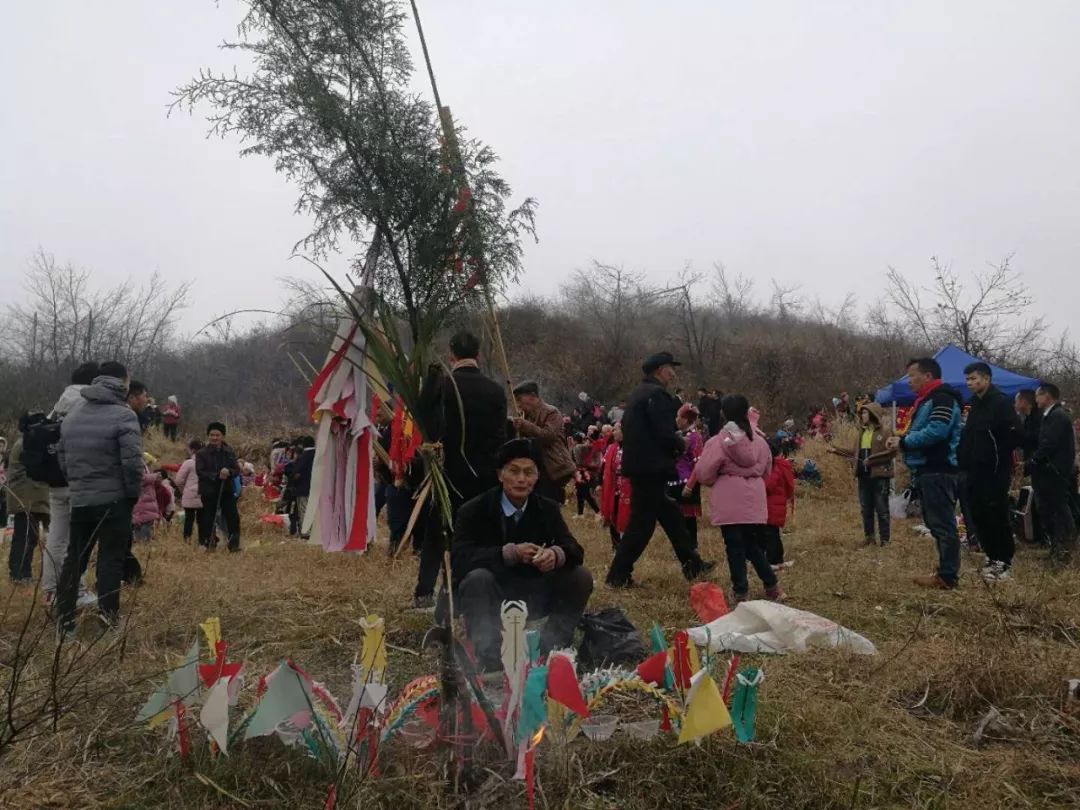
{"x": 600, "y": 727}
{"x": 642, "y": 729}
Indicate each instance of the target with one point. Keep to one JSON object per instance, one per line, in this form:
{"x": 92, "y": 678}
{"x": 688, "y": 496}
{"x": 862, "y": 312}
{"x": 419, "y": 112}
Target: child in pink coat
{"x": 146, "y": 512}
{"x": 734, "y": 464}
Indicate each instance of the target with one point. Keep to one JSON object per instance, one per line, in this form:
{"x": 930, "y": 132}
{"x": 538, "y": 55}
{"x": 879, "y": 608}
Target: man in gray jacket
{"x": 101, "y": 456}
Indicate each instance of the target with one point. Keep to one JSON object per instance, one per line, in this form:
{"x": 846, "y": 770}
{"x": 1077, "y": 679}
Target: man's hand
{"x": 545, "y": 559}
{"x": 527, "y": 551}
{"x": 519, "y": 423}
{"x": 687, "y": 493}
{"x": 892, "y": 443}
{"x": 223, "y": 473}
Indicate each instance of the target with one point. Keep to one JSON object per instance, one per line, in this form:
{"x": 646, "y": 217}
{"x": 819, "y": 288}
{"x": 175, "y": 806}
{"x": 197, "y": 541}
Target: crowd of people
{"x": 79, "y": 479}
{"x": 648, "y": 458}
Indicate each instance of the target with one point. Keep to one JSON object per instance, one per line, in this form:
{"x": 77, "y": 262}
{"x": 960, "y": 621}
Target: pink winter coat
{"x": 188, "y": 484}
{"x": 146, "y": 508}
{"x": 735, "y": 468}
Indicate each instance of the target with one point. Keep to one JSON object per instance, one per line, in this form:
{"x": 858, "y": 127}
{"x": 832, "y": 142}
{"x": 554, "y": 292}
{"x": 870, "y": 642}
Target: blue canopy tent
{"x": 953, "y": 360}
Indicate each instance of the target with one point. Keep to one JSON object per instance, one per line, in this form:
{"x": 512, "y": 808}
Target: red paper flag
{"x": 680, "y": 664}
{"x": 651, "y": 670}
{"x": 563, "y": 686}
{"x": 210, "y": 673}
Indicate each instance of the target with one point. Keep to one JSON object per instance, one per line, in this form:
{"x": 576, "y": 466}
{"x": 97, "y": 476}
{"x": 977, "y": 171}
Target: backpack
{"x": 41, "y": 440}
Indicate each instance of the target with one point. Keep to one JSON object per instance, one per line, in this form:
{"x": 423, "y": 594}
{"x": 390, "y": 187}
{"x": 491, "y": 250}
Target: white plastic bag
{"x": 768, "y": 627}
{"x": 898, "y": 504}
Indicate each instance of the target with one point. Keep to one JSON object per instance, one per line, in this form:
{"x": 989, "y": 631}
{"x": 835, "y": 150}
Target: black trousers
{"x": 744, "y": 543}
{"x": 225, "y": 506}
{"x": 988, "y": 501}
{"x": 774, "y": 544}
{"x": 585, "y": 496}
{"x": 561, "y": 595}
{"x": 433, "y": 543}
{"x": 1055, "y": 512}
{"x": 171, "y": 431}
{"x": 649, "y": 505}
{"x": 555, "y": 490}
{"x": 191, "y": 519}
{"x": 28, "y": 526}
{"x": 874, "y": 503}
{"x": 109, "y": 527}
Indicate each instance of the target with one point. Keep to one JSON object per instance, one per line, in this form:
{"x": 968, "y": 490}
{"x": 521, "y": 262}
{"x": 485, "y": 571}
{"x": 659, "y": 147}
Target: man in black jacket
{"x": 1030, "y": 422}
{"x": 299, "y": 473}
{"x": 467, "y": 413}
{"x": 651, "y": 444}
{"x": 510, "y": 543}
{"x": 216, "y": 466}
{"x": 1051, "y": 468}
{"x": 990, "y": 434}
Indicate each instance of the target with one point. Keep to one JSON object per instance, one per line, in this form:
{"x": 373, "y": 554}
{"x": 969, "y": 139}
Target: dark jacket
{"x": 929, "y": 446}
{"x": 209, "y": 462}
{"x": 990, "y": 435}
{"x": 1032, "y": 425}
{"x": 101, "y": 447}
{"x": 470, "y": 444}
{"x": 1055, "y": 456}
{"x": 299, "y": 473}
{"x": 651, "y": 443}
{"x": 481, "y": 530}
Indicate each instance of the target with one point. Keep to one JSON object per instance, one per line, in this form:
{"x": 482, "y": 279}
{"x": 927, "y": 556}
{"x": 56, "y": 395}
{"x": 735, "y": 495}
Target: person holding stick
{"x": 215, "y": 466}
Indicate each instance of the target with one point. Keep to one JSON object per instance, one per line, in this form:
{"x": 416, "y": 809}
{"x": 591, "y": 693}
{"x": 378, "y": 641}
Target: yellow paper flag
{"x": 373, "y": 646}
{"x": 705, "y": 711}
{"x": 695, "y": 659}
{"x": 212, "y": 630}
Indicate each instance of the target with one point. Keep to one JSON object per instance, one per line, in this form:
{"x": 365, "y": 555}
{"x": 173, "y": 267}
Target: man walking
{"x": 466, "y": 412}
{"x": 544, "y": 425}
{"x": 989, "y": 436}
{"x": 1051, "y": 469}
{"x": 101, "y": 456}
{"x": 651, "y": 443}
{"x": 929, "y": 449}
{"x": 216, "y": 466}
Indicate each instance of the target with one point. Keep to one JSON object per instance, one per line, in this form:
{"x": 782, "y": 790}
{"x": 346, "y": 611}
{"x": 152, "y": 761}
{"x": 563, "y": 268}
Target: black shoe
{"x": 699, "y": 571}
{"x": 621, "y": 584}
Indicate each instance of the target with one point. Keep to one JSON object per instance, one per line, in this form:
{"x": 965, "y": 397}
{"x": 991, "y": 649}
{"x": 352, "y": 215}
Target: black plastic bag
{"x": 609, "y": 640}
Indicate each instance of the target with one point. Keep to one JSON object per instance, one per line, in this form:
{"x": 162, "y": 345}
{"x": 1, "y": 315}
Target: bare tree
{"x": 986, "y": 316}
{"x": 785, "y": 301}
{"x": 734, "y": 295}
{"x": 65, "y": 321}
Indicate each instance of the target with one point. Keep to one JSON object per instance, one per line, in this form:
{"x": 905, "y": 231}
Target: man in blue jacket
{"x": 929, "y": 448}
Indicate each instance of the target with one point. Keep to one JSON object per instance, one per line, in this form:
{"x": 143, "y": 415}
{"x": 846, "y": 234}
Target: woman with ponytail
{"x": 734, "y": 464}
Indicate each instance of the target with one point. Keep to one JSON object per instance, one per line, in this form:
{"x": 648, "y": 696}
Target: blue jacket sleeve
{"x": 935, "y": 431}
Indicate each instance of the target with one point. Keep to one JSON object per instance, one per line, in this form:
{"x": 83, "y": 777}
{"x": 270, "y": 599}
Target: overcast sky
{"x": 814, "y": 142}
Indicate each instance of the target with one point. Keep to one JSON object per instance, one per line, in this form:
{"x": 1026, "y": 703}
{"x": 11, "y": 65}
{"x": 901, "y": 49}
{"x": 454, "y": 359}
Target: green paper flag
{"x": 744, "y": 703}
{"x": 533, "y": 712}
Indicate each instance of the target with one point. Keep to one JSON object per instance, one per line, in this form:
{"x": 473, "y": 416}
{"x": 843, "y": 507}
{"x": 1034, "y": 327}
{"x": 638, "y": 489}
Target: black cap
{"x": 527, "y": 387}
{"x": 216, "y": 426}
{"x": 515, "y": 449}
{"x": 659, "y": 360}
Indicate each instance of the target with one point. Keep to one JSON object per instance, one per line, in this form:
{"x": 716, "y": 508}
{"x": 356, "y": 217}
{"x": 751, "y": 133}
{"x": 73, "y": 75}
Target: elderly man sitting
{"x": 510, "y": 543}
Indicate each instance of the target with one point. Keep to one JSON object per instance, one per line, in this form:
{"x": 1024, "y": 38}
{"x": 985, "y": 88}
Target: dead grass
{"x": 835, "y": 730}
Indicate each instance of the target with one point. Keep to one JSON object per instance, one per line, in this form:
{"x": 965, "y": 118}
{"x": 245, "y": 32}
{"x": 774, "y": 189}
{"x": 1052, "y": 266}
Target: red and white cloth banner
{"x": 341, "y": 506}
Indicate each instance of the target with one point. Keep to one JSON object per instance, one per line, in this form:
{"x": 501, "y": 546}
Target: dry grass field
{"x": 834, "y": 730}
